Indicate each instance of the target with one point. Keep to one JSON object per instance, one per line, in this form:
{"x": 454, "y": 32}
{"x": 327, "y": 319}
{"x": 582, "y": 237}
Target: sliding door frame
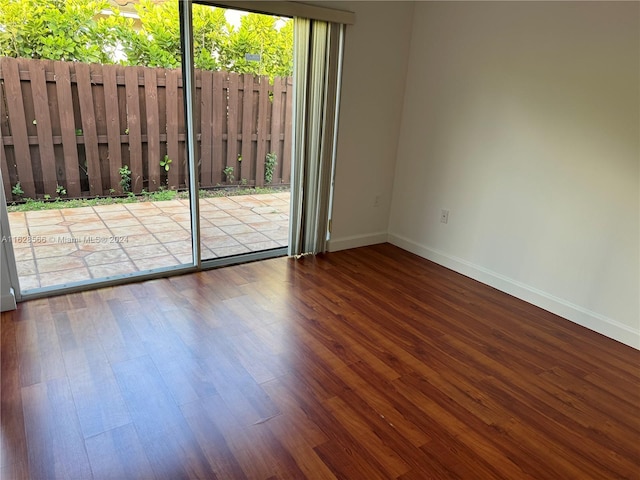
{"x": 290, "y": 9}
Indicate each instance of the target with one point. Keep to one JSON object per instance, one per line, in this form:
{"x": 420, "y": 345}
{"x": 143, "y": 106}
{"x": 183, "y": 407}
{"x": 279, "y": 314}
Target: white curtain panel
{"x": 317, "y": 68}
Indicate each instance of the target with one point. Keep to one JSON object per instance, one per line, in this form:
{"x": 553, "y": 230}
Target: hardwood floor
{"x": 369, "y": 363}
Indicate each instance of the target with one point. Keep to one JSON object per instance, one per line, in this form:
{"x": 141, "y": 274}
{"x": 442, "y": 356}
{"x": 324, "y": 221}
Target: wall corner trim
{"x": 574, "y": 313}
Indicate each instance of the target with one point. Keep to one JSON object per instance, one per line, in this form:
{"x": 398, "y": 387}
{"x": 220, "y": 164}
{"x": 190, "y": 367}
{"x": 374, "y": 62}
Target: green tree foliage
{"x": 54, "y": 29}
{"x": 77, "y": 30}
{"x": 258, "y": 34}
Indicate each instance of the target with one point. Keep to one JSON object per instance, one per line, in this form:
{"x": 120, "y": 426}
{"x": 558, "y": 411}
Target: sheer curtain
{"x": 317, "y": 70}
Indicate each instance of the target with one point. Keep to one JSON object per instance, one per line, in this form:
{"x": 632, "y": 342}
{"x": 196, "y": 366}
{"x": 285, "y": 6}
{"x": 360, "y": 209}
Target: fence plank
{"x": 5, "y": 132}
{"x": 4, "y": 168}
{"x": 288, "y": 131}
{"x": 232, "y": 122}
{"x": 261, "y": 147}
{"x": 67, "y": 129}
{"x": 15, "y": 108}
{"x": 172, "y": 127}
{"x": 109, "y": 80}
{"x": 206, "y": 102}
{"x": 43, "y": 126}
{"x": 219, "y": 119}
{"x": 133, "y": 128}
{"x": 247, "y": 126}
{"x": 99, "y": 112}
{"x": 153, "y": 127}
{"x": 5, "y": 159}
{"x": 89, "y": 131}
{"x": 275, "y": 144}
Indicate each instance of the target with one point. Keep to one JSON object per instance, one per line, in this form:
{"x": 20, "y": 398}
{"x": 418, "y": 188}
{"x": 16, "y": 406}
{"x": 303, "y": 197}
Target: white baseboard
{"x": 356, "y": 241}
{"x": 8, "y": 301}
{"x": 575, "y": 313}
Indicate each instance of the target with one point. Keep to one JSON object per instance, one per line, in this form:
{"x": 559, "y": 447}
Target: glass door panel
{"x": 244, "y": 63}
{"x": 93, "y": 153}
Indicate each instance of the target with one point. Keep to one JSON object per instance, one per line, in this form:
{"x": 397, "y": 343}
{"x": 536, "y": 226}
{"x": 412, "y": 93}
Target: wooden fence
{"x": 74, "y": 126}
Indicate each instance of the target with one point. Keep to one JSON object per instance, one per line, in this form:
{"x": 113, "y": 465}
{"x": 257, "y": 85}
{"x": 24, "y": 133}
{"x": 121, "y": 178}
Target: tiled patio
{"x": 54, "y": 247}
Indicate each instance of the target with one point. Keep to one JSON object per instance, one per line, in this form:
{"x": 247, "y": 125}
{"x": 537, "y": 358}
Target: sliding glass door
{"x": 111, "y": 139}
{"x": 243, "y": 111}
{"x": 94, "y": 165}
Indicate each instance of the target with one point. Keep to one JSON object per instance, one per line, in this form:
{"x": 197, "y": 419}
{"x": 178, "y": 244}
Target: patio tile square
{"x": 136, "y": 240}
{"x": 165, "y": 227}
{"x": 44, "y": 214}
{"x": 47, "y": 230}
{"x": 77, "y": 212}
{"x": 87, "y": 226}
{"x": 219, "y": 242}
{"x": 275, "y": 217}
{"x": 154, "y": 219}
{"x": 55, "y": 250}
{"x": 219, "y": 222}
{"x": 244, "y": 213}
{"x": 21, "y": 254}
{"x": 228, "y": 251}
{"x": 253, "y": 218}
{"x": 186, "y": 259}
{"x": 248, "y": 202}
{"x": 109, "y": 270}
{"x": 210, "y": 232}
{"x": 181, "y": 217}
{"x": 208, "y": 209}
{"x": 264, "y": 226}
{"x": 174, "y": 210}
{"x": 169, "y": 204}
{"x": 251, "y": 237}
{"x": 106, "y": 257}
{"x": 56, "y": 264}
{"x": 16, "y": 217}
{"x": 267, "y": 209}
{"x": 132, "y": 230}
{"x": 151, "y": 263}
{"x": 87, "y": 217}
{"x": 81, "y": 253}
{"x": 237, "y": 229}
{"x": 42, "y": 221}
{"x": 174, "y": 236}
{"x": 214, "y": 214}
{"x": 122, "y": 222}
{"x": 266, "y": 245}
{"x": 278, "y": 235}
{"x": 142, "y": 207}
{"x": 28, "y": 282}
{"x": 26, "y": 267}
{"x": 225, "y": 203}
{"x": 144, "y": 251}
{"x": 95, "y": 240}
{"x": 176, "y": 248}
{"x": 118, "y": 215}
{"x": 66, "y": 276}
{"x": 114, "y": 207}
{"x": 20, "y": 242}
{"x": 18, "y": 229}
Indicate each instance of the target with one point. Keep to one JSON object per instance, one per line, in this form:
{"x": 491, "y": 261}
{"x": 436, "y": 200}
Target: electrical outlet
{"x": 444, "y": 216}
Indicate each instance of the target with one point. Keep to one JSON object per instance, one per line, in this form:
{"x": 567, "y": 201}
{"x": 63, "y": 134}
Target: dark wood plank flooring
{"x": 369, "y": 363}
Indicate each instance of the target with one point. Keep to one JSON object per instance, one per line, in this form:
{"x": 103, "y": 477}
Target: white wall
{"x": 375, "y": 64}
{"x": 522, "y": 119}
